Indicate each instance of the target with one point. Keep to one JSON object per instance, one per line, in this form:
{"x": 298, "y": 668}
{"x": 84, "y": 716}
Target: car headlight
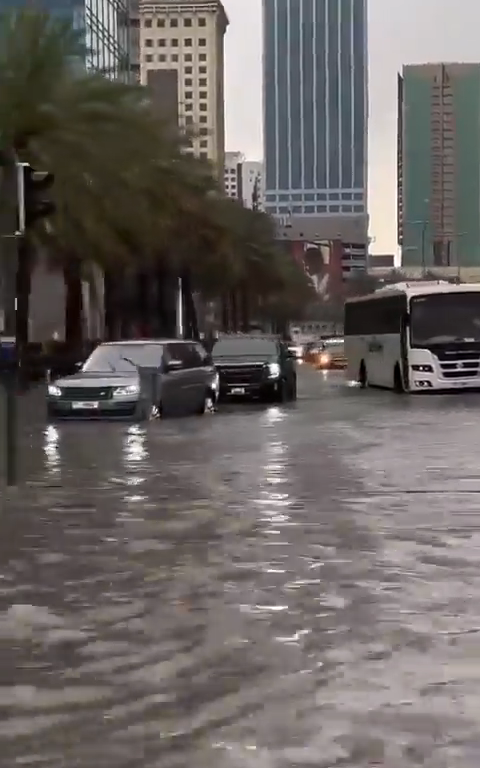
{"x": 130, "y": 389}
{"x": 54, "y": 391}
{"x": 273, "y": 370}
{"x": 324, "y": 359}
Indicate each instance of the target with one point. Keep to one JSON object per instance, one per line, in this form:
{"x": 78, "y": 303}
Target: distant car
{"x": 332, "y": 354}
{"x": 137, "y": 380}
{"x": 256, "y": 367}
{"x": 312, "y": 352}
{"x": 297, "y": 350}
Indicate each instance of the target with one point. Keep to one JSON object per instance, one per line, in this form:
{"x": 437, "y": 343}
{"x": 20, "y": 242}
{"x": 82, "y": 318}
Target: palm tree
{"x": 86, "y": 130}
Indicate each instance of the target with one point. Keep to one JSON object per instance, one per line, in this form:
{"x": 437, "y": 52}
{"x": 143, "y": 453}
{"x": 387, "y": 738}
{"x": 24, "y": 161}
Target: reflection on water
{"x": 51, "y": 448}
{"x": 248, "y": 590}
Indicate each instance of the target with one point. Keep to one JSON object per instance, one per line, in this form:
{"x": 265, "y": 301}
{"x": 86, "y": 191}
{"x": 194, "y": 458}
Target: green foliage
{"x": 127, "y": 191}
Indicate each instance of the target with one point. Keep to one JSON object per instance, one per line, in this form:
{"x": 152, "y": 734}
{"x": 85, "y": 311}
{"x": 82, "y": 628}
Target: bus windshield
{"x": 443, "y": 318}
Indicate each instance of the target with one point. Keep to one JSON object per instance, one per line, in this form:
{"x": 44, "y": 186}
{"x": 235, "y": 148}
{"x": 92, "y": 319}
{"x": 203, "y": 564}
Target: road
{"x": 262, "y": 587}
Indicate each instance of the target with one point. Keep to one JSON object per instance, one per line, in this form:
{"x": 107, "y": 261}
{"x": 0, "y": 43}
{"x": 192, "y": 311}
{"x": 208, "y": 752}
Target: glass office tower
{"x": 105, "y": 24}
{"x": 315, "y": 106}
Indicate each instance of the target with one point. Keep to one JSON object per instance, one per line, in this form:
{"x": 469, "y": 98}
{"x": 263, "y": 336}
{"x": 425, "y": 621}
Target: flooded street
{"x": 266, "y": 587}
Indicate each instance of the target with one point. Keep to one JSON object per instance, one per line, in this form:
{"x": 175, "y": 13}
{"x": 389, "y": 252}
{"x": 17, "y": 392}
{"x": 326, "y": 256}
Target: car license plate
{"x": 237, "y": 391}
{"x": 89, "y": 406}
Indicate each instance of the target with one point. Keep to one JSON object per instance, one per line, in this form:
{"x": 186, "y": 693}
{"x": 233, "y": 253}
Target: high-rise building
{"x": 105, "y": 25}
{"x": 187, "y": 36}
{"x": 439, "y": 165}
{"x": 315, "y": 76}
{"x": 243, "y": 180}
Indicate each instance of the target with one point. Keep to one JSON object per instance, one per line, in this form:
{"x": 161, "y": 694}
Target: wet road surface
{"x": 265, "y": 587}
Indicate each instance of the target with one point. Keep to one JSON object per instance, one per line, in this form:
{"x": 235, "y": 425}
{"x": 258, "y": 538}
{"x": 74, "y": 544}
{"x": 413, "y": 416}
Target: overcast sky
{"x": 401, "y": 32}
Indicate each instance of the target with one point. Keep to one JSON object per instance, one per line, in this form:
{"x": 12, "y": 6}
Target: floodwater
{"x": 264, "y": 587}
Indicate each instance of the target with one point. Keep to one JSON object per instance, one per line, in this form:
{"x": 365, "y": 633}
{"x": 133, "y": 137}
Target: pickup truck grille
{"x": 241, "y": 374}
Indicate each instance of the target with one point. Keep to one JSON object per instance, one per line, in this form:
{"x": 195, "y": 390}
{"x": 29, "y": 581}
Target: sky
{"x": 400, "y": 32}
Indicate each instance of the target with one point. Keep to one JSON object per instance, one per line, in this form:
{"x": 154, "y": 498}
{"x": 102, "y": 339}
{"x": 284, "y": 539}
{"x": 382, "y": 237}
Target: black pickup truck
{"x": 255, "y": 367}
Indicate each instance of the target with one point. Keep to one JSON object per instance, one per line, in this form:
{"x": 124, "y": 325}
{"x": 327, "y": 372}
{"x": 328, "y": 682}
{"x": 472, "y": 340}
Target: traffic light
{"x": 37, "y": 195}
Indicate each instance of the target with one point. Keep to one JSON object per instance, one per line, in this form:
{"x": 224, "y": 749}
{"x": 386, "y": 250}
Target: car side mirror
{"x": 174, "y": 365}
{"x": 78, "y": 366}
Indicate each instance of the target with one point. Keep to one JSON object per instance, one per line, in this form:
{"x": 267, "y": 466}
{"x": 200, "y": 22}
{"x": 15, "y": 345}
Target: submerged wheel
{"x": 398, "y": 381}
{"x": 208, "y": 404}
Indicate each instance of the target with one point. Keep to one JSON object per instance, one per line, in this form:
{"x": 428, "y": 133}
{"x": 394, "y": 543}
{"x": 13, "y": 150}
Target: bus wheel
{"x": 397, "y": 380}
{"x": 362, "y": 376}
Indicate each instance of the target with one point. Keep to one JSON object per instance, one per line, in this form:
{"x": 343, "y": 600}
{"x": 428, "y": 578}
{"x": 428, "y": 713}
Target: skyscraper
{"x": 439, "y": 165}
{"x": 315, "y": 74}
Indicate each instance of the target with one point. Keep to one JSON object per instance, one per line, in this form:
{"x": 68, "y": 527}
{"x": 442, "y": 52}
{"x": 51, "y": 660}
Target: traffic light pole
{"x": 9, "y": 218}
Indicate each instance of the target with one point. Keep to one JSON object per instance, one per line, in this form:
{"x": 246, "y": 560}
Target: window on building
{"x": 188, "y": 95}
{"x": 202, "y": 107}
{"x": 202, "y": 56}
{"x": 202, "y": 22}
{"x": 188, "y": 82}
{"x": 162, "y": 57}
{"x": 203, "y": 95}
{"x": 202, "y": 42}
{"x": 203, "y": 119}
{"x": 162, "y": 43}
{"x": 189, "y": 120}
{"x": 174, "y": 42}
{"x": 202, "y": 82}
{"x": 188, "y": 70}
{"x": 202, "y": 70}
{"x": 189, "y": 107}
{"x": 160, "y": 22}
{"x": 203, "y": 131}
{"x": 174, "y": 57}
{"x": 174, "y": 22}
{"x": 149, "y": 42}
{"x": 188, "y": 57}
{"x": 204, "y": 144}
{"x": 188, "y": 42}
{"x": 149, "y": 57}
{"x": 187, "y": 22}
{"x": 147, "y": 23}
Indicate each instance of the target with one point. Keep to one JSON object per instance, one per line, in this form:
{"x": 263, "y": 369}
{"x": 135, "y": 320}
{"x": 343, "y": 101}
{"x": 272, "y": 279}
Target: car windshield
{"x": 244, "y": 348}
{"x": 123, "y": 358}
{"x": 443, "y": 318}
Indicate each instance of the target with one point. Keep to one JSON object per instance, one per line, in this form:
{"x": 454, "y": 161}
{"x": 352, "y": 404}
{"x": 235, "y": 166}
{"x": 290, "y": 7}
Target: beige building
{"x": 187, "y": 36}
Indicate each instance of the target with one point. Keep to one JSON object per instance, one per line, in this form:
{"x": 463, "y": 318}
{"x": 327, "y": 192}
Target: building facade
{"x": 105, "y": 24}
{"x": 438, "y": 207}
{"x": 244, "y": 180}
{"x": 315, "y": 73}
{"x": 188, "y": 36}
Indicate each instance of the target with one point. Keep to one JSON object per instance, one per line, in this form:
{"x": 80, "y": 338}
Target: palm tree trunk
{"x": 24, "y": 288}
{"x": 244, "y": 310}
{"x": 234, "y": 309}
{"x": 191, "y": 320}
{"x": 72, "y": 276}
{"x": 225, "y": 313}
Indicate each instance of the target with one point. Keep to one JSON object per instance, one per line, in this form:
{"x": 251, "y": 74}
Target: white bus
{"x": 415, "y": 337}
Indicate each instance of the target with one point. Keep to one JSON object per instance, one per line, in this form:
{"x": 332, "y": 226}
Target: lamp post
{"x": 11, "y": 218}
